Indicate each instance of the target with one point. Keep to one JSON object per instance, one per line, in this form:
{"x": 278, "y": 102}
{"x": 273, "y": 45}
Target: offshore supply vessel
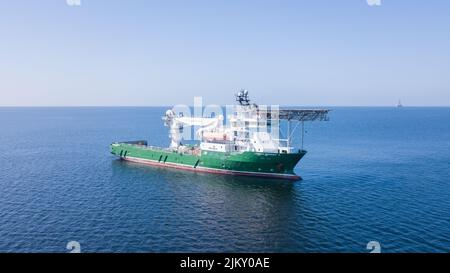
{"x": 248, "y": 145}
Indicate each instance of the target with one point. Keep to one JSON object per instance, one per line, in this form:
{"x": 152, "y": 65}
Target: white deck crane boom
{"x": 176, "y": 124}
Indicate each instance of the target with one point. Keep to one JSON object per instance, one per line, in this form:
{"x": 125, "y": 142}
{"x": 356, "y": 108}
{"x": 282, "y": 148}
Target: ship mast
{"x": 242, "y": 98}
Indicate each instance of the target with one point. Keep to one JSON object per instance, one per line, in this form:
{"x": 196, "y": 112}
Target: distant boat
{"x": 399, "y": 104}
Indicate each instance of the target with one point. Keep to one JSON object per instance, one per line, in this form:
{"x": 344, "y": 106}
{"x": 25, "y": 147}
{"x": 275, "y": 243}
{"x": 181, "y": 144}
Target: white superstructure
{"x": 249, "y": 128}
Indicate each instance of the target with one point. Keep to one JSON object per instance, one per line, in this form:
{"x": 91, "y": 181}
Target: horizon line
{"x": 145, "y": 106}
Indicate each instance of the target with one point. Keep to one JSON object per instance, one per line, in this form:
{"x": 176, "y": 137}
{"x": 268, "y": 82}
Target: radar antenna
{"x": 242, "y": 97}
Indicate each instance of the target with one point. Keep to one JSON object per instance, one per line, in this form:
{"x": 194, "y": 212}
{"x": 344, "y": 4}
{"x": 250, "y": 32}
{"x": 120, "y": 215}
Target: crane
{"x": 177, "y": 123}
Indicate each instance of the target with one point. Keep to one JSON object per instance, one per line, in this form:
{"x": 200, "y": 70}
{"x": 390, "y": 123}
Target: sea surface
{"x": 371, "y": 174}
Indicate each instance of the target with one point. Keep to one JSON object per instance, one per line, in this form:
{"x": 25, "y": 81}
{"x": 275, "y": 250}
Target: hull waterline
{"x": 262, "y": 165}
{"x": 292, "y": 177}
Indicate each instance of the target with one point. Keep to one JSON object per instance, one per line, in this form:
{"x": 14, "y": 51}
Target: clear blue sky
{"x": 316, "y": 52}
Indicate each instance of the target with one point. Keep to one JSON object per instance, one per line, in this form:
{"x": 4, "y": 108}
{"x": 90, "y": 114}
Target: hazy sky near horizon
{"x": 317, "y": 52}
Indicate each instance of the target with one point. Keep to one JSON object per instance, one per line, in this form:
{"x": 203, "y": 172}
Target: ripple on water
{"x": 388, "y": 184}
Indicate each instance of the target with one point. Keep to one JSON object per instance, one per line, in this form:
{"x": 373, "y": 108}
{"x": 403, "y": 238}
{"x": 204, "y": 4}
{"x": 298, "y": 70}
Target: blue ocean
{"x": 370, "y": 174}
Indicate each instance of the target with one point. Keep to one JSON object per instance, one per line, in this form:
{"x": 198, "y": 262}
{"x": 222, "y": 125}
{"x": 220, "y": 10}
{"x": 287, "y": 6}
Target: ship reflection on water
{"x": 209, "y": 212}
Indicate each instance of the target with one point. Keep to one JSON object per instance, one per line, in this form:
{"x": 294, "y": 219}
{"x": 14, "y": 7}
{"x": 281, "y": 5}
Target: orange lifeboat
{"x": 215, "y": 136}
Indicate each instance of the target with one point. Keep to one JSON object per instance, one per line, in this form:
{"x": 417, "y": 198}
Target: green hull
{"x": 274, "y": 165}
